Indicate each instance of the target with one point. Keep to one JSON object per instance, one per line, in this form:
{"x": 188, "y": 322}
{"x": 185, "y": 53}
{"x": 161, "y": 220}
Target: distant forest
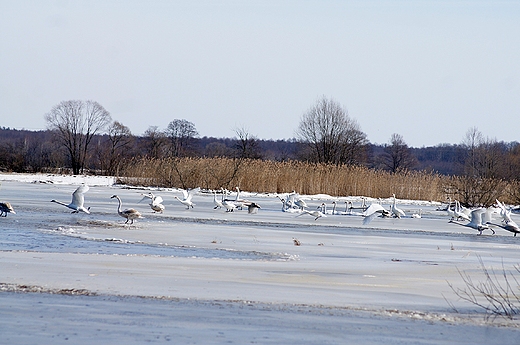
{"x": 38, "y": 151}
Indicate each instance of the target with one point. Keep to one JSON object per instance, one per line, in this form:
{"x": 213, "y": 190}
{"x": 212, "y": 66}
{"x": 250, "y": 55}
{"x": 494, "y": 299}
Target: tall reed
{"x": 284, "y": 177}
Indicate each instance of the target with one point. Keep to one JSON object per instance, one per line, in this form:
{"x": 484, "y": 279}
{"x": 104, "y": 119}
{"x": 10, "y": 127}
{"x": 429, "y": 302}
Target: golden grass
{"x": 284, "y": 177}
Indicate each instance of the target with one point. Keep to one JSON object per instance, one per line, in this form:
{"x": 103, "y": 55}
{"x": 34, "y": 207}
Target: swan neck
{"x": 119, "y": 207}
{"x": 59, "y": 202}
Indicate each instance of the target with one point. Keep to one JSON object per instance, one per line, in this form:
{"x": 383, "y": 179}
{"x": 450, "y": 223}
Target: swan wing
{"x": 300, "y": 203}
{"x": 476, "y": 216}
{"x": 191, "y": 193}
{"x": 131, "y": 212}
{"x": 487, "y": 215}
{"x": 157, "y": 200}
{"x": 78, "y": 197}
{"x": 372, "y": 209}
{"x": 290, "y": 198}
{"x": 464, "y": 216}
{"x": 506, "y": 214}
{"x": 369, "y": 218}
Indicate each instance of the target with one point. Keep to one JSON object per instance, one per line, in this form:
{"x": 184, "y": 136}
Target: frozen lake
{"x": 208, "y": 276}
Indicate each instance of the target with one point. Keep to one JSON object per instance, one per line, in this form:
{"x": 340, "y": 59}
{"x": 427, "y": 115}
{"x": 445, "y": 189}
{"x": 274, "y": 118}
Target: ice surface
{"x": 209, "y": 276}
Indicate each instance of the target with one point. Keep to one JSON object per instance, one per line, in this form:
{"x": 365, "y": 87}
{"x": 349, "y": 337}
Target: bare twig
{"x": 496, "y": 294}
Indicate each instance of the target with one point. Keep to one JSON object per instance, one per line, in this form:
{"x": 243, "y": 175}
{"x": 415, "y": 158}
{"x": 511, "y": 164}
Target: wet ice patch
{"x": 70, "y": 240}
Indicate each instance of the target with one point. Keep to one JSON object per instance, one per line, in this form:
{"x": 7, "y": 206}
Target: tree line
{"x": 81, "y": 137}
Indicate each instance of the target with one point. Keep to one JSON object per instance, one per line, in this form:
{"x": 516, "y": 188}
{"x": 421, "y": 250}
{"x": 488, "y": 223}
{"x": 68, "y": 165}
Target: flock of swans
{"x": 155, "y": 203}
{"x": 234, "y": 204}
{"x": 480, "y": 219}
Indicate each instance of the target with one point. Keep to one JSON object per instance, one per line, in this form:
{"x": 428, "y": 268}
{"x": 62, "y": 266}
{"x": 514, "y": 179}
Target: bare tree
{"x": 475, "y": 191}
{"x": 181, "y": 134}
{"x": 75, "y": 123}
{"x": 397, "y": 155}
{"x": 471, "y": 143}
{"x": 329, "y": 135}
{"x": 154, "y": 142}
{"x": 484, "y": 166}
{"x": 247, "y": 144}
{"x": 513, "y": 160}
{"x": 120, "y": 140}
{"x": 513, "y": 171}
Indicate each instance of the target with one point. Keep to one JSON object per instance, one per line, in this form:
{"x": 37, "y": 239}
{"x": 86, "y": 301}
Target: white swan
{"x": 467, "y": 211}
{"x": 240, "y": 202}
{"x": 294, "y": 200}
{"x": 324, "y": 210}
{"x": 504, "y": 213}
{"x": 511, "y": 227}
{"x": 155, "y": 202}
{"x": 417, "y": 215}
{"x": 476, "y": 221}
{"x": 6, "y": 208}
{"x": 349, "y": 206}
{"x": 290, "y": 199}
{"x": 373, "y": 211}
{"x": 284, "y": 203}
{"x": 459, "y": 212}
{"x": 229, "y": 205}
{"x": 451, "y": 213}
{"x": 187, "y": 196}
{"x": 397, "y": 212}
{"x": 301, "y": 204}
{"x": 334, "y": 208}
{"x": 216, "y": 202}
{"x": 287, "y": 208}
{"x": 363, "y": 207}
{"x": 129, "y": 213}
{"x": 78, "y": 199}
{"x": 508, "y": 223}
{"x": 316, "y": 214}
{"x": 348, "y": 210}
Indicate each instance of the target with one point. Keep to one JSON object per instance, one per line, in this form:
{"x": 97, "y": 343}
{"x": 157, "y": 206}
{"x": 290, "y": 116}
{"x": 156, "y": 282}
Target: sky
{"x": 427, "y": 70}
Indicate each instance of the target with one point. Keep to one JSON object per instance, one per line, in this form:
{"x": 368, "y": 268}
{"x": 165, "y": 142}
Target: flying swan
{"x": 187, "y": 196}
{"x": 78, "y": 199}
{"x": 476, "y": 221}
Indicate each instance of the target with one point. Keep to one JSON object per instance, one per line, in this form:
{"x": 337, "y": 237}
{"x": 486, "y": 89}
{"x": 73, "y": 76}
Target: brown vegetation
{"x": 305, "y": 178}
{"x": 475, "y": 173}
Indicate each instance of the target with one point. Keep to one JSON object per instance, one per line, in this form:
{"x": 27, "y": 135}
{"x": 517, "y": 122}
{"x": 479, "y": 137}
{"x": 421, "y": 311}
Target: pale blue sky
{"x": 428, "y": 70}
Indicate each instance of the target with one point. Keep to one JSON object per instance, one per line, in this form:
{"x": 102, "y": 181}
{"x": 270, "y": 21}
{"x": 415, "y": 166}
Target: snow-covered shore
{"x": 59, "y": 179}
{"x": 207, "y": 276}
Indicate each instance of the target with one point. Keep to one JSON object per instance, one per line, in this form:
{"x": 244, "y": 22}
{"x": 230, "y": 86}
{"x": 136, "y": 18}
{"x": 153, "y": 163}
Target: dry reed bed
{"x": 283, "y": 177}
